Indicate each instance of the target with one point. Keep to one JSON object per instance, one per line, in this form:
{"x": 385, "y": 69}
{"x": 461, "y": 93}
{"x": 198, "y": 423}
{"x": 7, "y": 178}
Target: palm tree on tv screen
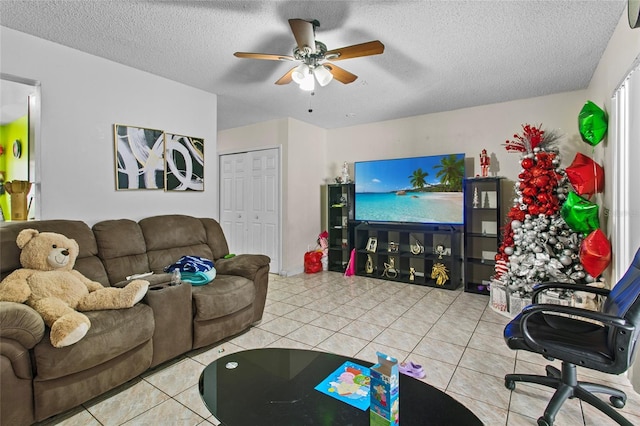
{"x": 451, "y": 172}
{"x": 418, "y": 178}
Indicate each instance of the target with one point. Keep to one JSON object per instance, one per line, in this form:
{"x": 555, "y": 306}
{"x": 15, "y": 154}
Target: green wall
{"x": 13, "y": 168}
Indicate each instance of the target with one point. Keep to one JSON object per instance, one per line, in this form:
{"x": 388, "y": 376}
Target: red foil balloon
{"x": 595, "y": 253}
{"x": 586, "y": 176}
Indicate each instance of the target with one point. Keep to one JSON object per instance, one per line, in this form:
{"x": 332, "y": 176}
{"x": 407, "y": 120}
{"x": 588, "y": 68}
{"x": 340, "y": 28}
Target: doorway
{"x": 250, "y": 200}
{"x": 19, "y": 126}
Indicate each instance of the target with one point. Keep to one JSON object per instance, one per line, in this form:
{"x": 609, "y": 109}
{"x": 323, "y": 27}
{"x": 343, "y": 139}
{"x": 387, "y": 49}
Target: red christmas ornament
{"x": 541, "y": 181}
{"x": 586, "y": 176}
{"x": 538, "y": 171}
{"x": 527, "y": 163}
{"x": 519, "y": 215}
{"x": 595, "y": 253}
{"x": 543, "y": 197}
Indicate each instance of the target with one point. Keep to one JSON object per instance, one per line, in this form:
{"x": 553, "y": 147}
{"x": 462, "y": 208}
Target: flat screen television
{"x": 411, "y": 190}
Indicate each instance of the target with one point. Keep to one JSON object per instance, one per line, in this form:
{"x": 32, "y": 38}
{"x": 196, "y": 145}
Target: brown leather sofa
{"x": 38, "y": 381}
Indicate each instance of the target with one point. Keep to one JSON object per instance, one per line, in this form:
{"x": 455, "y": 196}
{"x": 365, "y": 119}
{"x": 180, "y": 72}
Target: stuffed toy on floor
{"x": 48, "y": 283}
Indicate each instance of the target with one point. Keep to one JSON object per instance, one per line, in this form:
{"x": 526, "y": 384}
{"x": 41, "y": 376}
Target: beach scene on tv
{"x": 419, "y": 189}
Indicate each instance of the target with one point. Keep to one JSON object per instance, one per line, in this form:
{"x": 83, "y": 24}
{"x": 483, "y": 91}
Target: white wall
{"x": 82, "y": 97}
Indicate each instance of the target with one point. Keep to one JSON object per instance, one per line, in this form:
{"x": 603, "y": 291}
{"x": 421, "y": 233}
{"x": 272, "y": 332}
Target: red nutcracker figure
{"x": 485, "y": 161}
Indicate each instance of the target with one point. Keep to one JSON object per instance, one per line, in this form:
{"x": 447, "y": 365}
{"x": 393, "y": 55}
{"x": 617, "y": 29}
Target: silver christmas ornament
{"x": 565, "y": 260}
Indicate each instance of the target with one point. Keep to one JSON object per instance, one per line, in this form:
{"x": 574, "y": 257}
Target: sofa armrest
{"x": 173, "y": 315}
{"x": 21, "y": 323}
{"x": 254, "y": 267}
{"x": 244, "y": 265}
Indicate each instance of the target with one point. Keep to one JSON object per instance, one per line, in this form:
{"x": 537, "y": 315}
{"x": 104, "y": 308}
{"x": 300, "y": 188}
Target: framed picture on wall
{"x": 184, "y": 163}
{"x": 139, "y": 157}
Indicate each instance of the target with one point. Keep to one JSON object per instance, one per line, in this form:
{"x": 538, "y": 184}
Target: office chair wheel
{"x": 543, "y": 422}
{"x": 510, "y": 384}
{"x": 617, "y": 402}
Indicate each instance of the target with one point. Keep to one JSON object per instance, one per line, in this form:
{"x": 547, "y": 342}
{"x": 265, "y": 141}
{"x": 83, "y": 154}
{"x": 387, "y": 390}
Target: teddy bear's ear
{"x": 25, "y": 236}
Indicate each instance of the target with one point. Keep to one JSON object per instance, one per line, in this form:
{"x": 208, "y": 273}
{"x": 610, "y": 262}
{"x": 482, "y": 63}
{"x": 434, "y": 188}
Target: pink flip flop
{"x": 413, "y": 370}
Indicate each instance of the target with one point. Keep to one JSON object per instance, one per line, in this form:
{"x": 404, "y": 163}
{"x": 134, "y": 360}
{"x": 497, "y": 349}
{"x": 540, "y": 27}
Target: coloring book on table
{"x": 350, "y": 384}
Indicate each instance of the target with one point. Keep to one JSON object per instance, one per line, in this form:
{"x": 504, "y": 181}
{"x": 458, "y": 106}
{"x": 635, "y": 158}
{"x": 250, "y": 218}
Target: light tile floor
{"x": 454, "y": 335}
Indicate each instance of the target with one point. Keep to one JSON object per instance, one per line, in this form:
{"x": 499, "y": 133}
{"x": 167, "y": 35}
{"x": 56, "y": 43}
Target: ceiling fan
{"x": 314, "y": 57}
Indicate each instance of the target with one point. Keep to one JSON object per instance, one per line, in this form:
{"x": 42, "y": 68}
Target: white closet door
{"x": 233, "y": 195}
{"x": 250, "y": 203}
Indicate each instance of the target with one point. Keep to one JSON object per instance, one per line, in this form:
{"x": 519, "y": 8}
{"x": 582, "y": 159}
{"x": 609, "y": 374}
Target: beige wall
{"x": 466, "y": 131}
{"x": 621, "y": 52}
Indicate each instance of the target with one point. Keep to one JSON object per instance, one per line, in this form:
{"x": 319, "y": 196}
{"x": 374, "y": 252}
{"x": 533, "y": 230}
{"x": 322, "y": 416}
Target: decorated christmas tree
{"x": 546, "y": 226}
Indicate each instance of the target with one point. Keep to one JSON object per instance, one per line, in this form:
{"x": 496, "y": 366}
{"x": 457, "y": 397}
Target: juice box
{"x": 384, "y": 408}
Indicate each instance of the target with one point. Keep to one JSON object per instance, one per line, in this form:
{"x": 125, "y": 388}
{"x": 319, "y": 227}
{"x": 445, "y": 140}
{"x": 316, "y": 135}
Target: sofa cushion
{"x": 87, "y": 262}
{"x": 112, "y": 333}
{"x": 225, "y": 295}
{"x": 169, "y": 237}
{"x": 215, "y": 238}
{"x": 122, "y": 248}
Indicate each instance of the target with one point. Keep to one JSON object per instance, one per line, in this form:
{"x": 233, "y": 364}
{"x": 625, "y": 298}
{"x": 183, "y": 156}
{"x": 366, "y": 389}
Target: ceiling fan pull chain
{"x": 311, "y": 95}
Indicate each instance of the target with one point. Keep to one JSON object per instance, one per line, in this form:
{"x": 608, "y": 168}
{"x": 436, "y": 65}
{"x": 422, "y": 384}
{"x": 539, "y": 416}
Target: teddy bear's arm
{"x": 14, "y": 288}
{"x": 91, "y": 285}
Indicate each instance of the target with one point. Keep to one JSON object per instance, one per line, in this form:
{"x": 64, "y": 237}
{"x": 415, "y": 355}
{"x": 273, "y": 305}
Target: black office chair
{"x": 606, "y": 346}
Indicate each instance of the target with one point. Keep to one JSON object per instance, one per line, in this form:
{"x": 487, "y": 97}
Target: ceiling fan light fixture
{"x": 301, "y": 72}
{"x": 323, "y": 75}
{"x": 308, "y": 83}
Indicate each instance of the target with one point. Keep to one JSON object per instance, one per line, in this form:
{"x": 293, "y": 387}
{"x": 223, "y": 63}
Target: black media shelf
{"x": 482, "y": 231}
{"x": 427, "y": 255}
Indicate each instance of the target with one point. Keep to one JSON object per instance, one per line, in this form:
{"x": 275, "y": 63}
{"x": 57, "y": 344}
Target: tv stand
{"x": 429, "y": 255}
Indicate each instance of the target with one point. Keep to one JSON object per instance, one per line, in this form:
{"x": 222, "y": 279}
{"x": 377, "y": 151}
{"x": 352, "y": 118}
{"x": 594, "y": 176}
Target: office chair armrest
{"x": 606, "y": 320}
{"x": 539, "y": 288}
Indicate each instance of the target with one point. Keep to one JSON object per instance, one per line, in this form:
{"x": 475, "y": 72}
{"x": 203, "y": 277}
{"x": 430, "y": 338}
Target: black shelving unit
{"x": 340, "y": 202}
{"x": 482, "y": 233}
{"x": 415, "y": 254}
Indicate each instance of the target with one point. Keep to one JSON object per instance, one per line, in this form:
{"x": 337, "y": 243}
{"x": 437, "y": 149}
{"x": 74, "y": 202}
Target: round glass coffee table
{"x": 276, "y": 387}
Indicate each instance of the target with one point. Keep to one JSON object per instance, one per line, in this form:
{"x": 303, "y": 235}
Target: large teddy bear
{"x": 49, "y": 284}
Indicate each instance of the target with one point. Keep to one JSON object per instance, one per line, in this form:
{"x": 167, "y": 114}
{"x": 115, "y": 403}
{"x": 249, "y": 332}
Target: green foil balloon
{"x": 581, "y": 215}
{"x": 592, "y": 122}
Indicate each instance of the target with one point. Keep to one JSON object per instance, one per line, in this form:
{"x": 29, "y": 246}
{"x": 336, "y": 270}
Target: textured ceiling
{"x": 439, "y": 55}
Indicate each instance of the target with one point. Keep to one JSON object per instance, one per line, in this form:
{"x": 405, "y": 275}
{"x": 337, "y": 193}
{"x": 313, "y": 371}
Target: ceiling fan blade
{"x": 304, "y": 34}
{"x": 266, "y": 56}
{"x": 355, "y": 51}
{"x": 340, "y": 74}
{"x": 286, "y": 79}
